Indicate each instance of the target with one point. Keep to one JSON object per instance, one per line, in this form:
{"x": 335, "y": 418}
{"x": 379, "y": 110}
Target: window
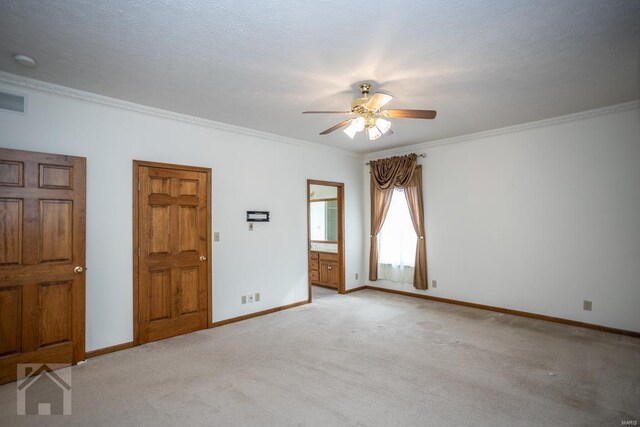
{"x": 397, "y": 244}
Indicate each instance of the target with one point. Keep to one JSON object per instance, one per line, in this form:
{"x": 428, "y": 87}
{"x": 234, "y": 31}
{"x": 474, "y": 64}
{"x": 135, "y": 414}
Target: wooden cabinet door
{"x": 42, "y": 229}
{"x": 333, "y": 278}
{"x": 174, "y": 241}
{"x": 329, "y": 273}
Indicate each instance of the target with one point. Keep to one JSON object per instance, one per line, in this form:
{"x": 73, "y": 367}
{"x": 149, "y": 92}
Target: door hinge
{"x": 138, "y": 185}
{"x": 138, "y": 251}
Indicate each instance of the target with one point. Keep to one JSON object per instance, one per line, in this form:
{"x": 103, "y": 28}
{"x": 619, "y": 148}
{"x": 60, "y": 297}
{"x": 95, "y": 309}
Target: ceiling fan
{"x": 369, "y": 115}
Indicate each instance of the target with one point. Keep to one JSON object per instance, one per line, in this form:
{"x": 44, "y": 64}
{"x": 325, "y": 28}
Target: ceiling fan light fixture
{"x": 374, "y": 133}
{"x": 350, "y": 131}
{"x": 357, "y": 125}
{"x": 367, "y": 114}
{"x": 383, "y": 125}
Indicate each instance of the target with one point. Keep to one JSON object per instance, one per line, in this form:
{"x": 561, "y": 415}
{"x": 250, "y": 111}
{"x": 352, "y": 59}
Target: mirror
{"x": 323, "y": 218}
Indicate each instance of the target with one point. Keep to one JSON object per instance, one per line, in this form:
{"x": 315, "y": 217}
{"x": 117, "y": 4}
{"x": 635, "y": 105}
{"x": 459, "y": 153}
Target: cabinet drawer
{"x": 313, "y": 255}
{"x": 328, "y": 256}
{"x": 313, "y": 264}
{"x": 314, "y": 275}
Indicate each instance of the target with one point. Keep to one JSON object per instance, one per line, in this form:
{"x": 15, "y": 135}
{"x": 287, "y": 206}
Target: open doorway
{"x": 325, "y": 226}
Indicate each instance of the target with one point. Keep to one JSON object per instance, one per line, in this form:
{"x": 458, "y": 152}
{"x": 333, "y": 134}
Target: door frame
{"x": 340, "y": 186}
{"x": 137, "y": 164}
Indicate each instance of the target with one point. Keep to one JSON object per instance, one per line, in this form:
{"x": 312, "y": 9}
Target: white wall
{"x": 249, "y": 173}
{"x": 537, "y": 220}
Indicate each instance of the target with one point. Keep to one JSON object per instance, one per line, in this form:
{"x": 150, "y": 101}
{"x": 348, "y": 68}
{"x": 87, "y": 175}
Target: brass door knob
{"x": 328, "y": 267}
{"x": 203, "y": 258}
{"x": 78, "y": 270}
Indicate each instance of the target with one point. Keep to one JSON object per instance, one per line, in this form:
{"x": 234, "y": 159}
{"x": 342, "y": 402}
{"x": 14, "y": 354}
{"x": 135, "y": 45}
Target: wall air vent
{"x": 13, "y": 102}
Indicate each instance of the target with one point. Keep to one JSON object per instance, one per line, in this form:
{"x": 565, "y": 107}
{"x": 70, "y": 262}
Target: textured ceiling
{"x": 259, "y": 64}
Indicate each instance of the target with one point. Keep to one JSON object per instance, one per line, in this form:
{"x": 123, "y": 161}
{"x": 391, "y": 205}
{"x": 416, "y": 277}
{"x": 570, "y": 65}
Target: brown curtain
{"x": 386, "y": 175}
{"x": 413, "y": 193}
{"x": 380, "y": 201}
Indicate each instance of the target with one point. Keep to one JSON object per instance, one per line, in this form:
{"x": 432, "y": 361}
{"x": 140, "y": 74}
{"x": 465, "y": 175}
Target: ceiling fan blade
{"x": 326, "y": 112}
{"x": 336, "y": 127}
{"x": 377, "y": 100}
{"x": 409, "y": 114}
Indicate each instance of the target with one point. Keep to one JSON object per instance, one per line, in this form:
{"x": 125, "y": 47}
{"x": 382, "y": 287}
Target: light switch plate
{"x": 587, "y": 305}
{"x": 434, "y": 283}
{"x": 250, "y": 299}
{"x": 257, "y": 299}
{"x": 243, "y": 299}
{"x": 216, "y": 236}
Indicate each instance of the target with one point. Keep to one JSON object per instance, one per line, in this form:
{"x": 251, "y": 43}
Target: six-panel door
{"x": 42, "y": 259}
{"x": 173, "y": 279}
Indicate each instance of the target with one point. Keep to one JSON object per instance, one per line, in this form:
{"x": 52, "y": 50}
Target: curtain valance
{"x": 394, "y": 172}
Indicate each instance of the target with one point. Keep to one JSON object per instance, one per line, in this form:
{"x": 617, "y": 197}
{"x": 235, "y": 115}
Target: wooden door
{"x": 174, "y": 241}
{"x": 42, "y": 259}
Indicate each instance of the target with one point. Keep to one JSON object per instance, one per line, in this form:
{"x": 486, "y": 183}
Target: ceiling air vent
{"x": 12, "y": 102}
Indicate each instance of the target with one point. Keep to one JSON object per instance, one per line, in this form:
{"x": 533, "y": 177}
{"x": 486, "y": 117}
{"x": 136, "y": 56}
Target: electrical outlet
{"x": 250, "y": 226}
{"x": 249, "y": 299}
{"x": 243, "y": 299}
{"x": 257, "y": 299}
{"x": 356, "y": 276}
{"x": 434, "y": 283}
{"x": 586, "y": 305}
{"x": 216, "y": 236}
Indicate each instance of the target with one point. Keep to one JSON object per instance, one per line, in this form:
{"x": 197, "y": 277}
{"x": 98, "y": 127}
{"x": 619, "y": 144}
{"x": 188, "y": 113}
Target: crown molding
{"x": 506, "y": 130}
{"x": 50, "y": 88}
{"x": 42, "y": 86}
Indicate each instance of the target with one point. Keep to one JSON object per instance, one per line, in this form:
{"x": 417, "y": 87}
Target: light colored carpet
{"x": 318, "y": 292}
{"x": 366, "y": 358}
